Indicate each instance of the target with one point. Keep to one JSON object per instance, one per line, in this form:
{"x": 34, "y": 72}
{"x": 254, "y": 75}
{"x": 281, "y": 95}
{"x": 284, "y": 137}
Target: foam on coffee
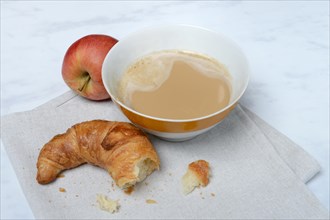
{"x": 157, "y": 84}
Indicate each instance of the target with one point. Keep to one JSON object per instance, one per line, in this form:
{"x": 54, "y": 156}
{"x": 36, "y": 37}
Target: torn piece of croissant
{"x": 197, "y": 174}
{"x": 119, "y": 147}
{"x": 107, "y": 204}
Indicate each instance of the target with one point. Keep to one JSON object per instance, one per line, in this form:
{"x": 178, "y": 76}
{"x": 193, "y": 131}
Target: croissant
{"x": 119, "y": 147}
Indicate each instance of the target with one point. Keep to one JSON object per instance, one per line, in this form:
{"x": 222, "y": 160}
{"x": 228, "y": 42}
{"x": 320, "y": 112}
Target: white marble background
{"x": 287, "y": 43}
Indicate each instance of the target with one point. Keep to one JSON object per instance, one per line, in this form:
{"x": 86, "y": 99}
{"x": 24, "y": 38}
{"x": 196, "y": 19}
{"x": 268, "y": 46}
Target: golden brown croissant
{"x": 119, "y": 147}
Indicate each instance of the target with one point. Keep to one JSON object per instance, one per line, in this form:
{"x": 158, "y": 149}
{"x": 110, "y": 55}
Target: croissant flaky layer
{"x": 119, "y": 147}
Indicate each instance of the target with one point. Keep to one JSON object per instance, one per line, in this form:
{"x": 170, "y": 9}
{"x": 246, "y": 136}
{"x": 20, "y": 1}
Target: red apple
{"x": 82, "y": 65}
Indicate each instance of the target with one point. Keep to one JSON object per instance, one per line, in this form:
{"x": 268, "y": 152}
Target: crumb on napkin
{"x": 107, "y": 204}
{"x": 129, "y": 190}
{"x": 151, "y": 201}
{"x": 196, "y": 175}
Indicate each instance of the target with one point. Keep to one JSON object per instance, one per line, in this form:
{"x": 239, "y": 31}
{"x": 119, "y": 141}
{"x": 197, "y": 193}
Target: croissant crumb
{"x": 107, "y": 204}
{"x": 151, "y": 201}
{"x": 196, "y": 175}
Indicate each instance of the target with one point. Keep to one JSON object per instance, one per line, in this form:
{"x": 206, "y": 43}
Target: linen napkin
{"x": 252, "y": 176}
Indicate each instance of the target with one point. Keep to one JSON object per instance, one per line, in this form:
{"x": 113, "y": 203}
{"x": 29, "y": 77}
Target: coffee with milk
{"x": 175, "y": 85}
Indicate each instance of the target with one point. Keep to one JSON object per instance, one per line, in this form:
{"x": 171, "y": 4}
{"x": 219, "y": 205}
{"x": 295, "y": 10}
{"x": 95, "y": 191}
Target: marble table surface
{"x": 286, "y": 42}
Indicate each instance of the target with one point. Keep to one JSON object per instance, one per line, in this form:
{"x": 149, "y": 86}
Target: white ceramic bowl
{"x": 175, "y": 37}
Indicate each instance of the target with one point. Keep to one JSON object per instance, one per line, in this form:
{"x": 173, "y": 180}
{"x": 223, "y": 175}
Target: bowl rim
{"x": 230, "y": 41}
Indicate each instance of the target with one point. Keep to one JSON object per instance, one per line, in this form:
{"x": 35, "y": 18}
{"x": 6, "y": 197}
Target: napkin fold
{"x": 257, "y": 172}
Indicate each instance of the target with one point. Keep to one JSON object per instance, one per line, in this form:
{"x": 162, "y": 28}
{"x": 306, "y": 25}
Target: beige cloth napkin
{"x": 256, "y": 171}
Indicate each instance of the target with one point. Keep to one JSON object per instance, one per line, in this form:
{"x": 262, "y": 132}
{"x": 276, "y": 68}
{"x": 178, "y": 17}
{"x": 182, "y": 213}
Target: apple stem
{"x": 86, "y": 81}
